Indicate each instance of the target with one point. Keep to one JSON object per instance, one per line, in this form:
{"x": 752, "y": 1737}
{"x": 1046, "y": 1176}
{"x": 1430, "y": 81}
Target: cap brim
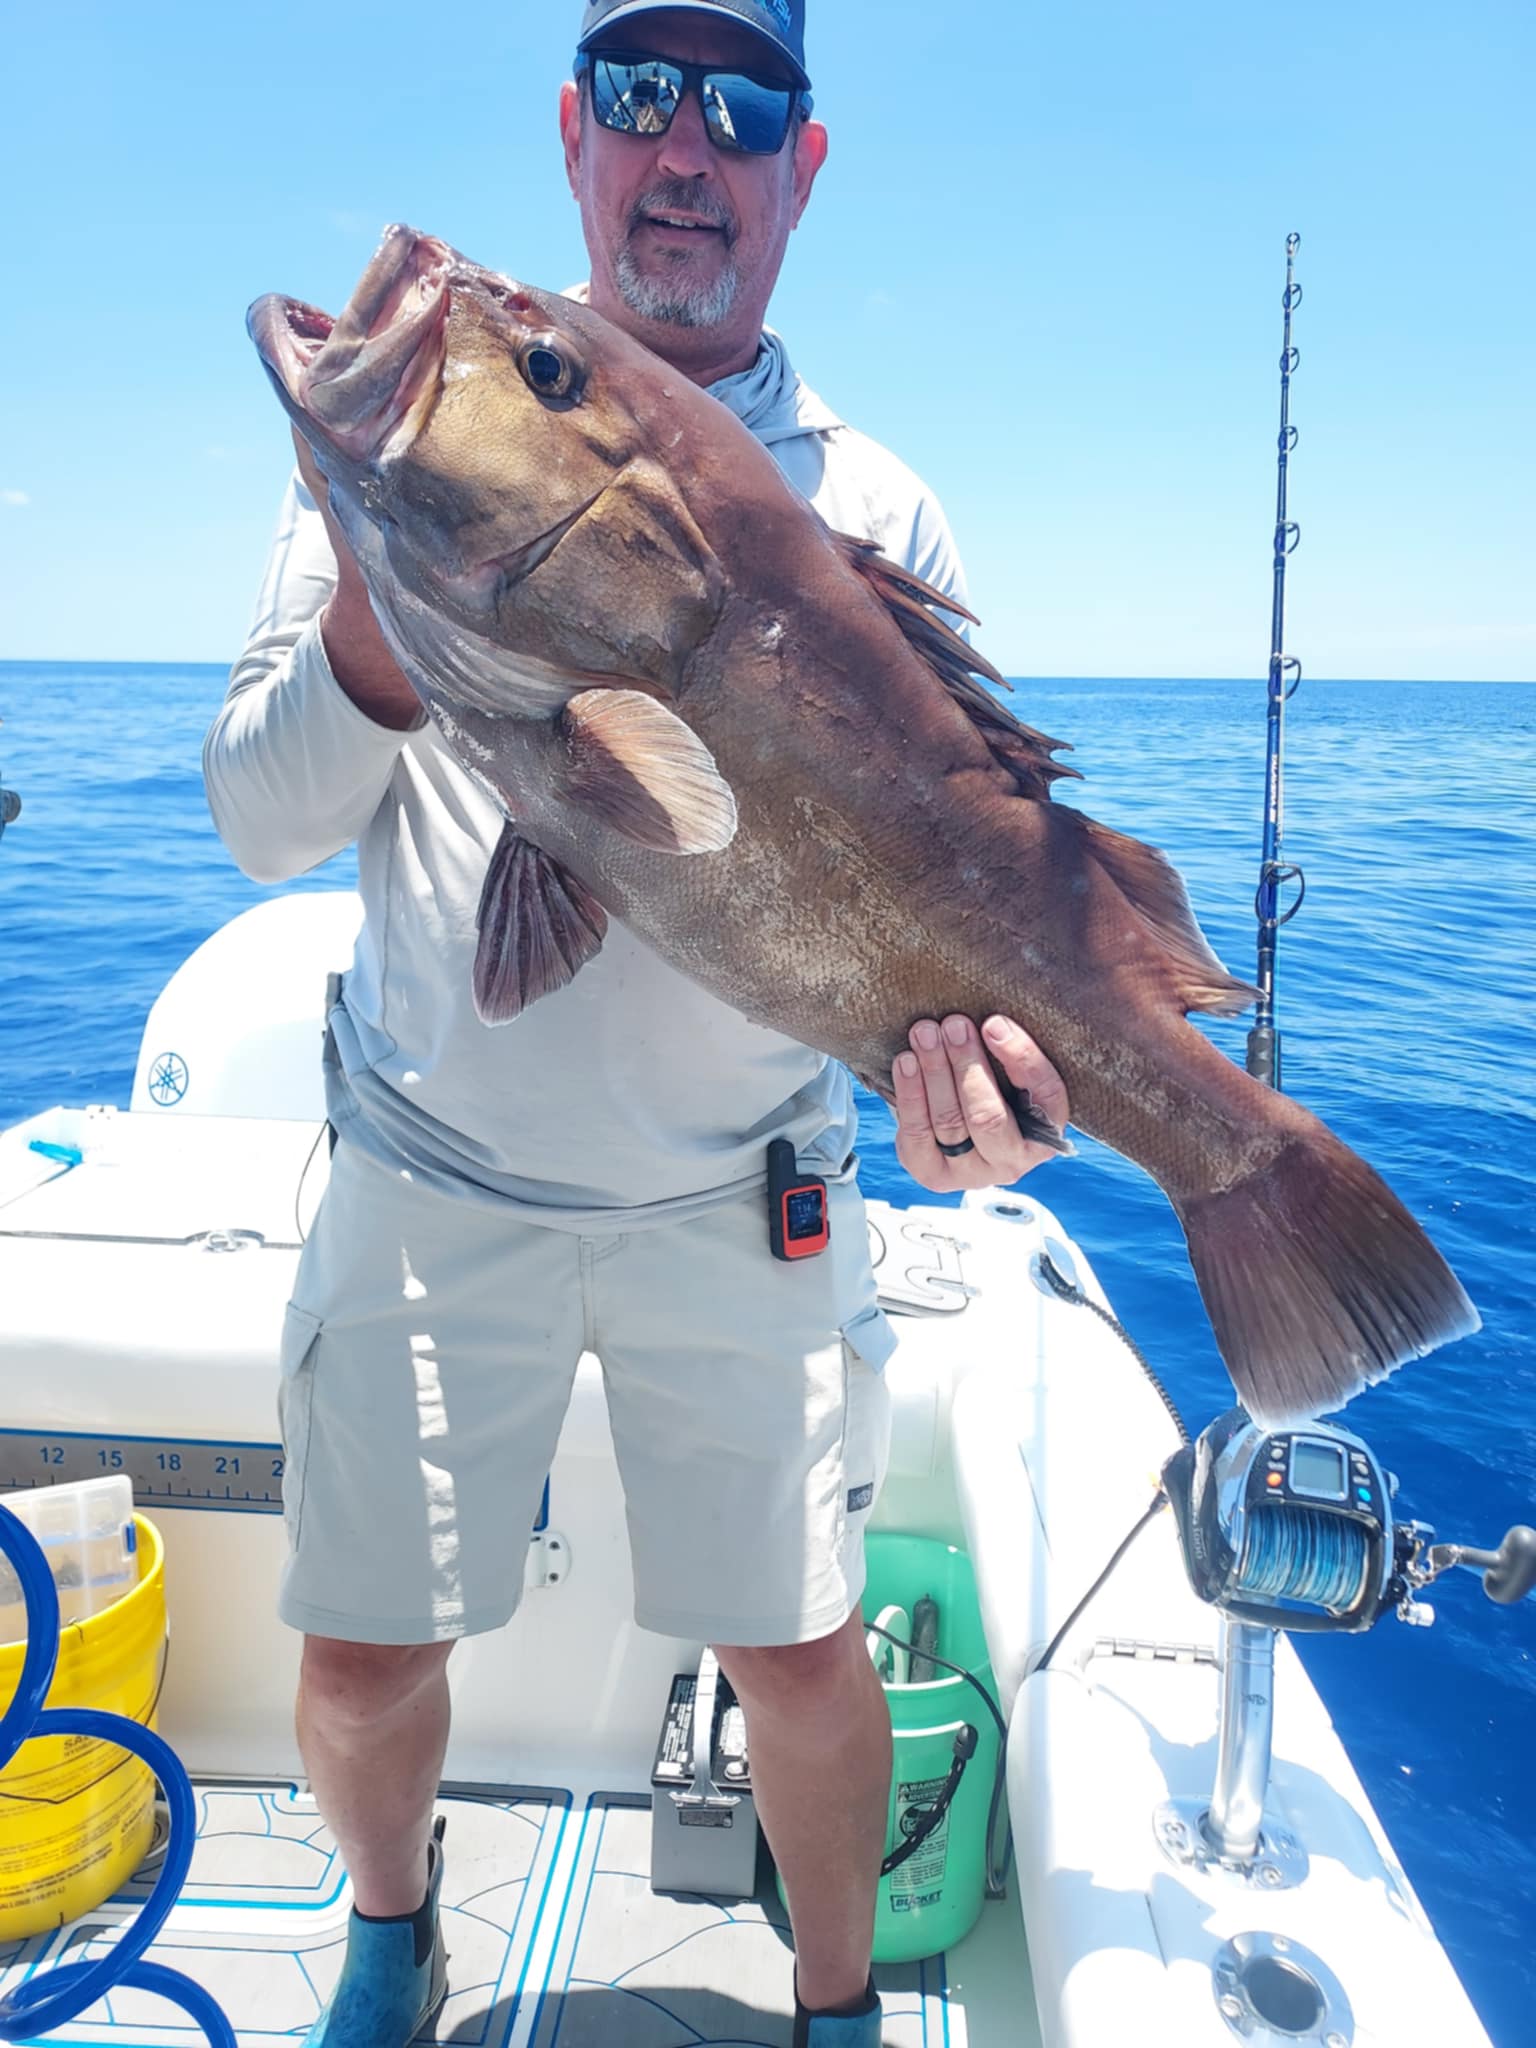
{"x": 726, "y": 14}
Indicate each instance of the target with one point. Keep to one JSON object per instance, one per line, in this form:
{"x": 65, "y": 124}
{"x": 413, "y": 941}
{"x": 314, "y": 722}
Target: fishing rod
{"x": 1275, "y": 872}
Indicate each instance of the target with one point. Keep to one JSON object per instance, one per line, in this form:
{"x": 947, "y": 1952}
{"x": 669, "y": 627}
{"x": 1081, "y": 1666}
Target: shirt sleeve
{"x": 294, "y": 770}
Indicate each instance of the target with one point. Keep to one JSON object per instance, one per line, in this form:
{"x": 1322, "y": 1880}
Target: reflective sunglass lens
{"x": 745, "y": 115}
{"x": 636, "y": 99}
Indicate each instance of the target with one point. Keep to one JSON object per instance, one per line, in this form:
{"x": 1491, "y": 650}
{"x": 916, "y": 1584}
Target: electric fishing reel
{"x": 1293, "y": 1529}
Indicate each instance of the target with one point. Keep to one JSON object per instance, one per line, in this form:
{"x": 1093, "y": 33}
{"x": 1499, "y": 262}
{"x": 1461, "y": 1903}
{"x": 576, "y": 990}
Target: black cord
{"x": 298, "y": 1193}
{"x": 1058, "y": 1282}
{"x": 965, "y": 1749}
{"x": 1159, "y": 1500}
{"x": 997, "y": 1873}
{"x": 873, "y": 1628}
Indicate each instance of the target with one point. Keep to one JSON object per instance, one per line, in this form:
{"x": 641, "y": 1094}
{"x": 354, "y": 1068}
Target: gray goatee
{"x": 683, "y": 300}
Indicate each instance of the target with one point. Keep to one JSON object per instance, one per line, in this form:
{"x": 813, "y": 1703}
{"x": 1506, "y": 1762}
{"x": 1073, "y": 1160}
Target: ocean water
{"x": 1404, "y": 996}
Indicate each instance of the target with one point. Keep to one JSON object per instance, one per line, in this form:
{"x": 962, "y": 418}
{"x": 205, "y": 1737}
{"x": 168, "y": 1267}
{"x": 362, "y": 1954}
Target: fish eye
{"x": 548, "y": 368}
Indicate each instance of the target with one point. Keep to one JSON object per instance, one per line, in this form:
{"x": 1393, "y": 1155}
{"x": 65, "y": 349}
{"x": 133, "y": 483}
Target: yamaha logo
{"x": 168, "y": 1079}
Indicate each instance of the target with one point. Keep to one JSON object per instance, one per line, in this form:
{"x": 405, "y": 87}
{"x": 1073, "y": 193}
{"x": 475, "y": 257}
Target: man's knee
{"x": 357, "y": 1685}
{"x": 797, "y": 1676}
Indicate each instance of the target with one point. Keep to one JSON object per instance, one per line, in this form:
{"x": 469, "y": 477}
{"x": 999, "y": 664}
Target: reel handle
{"x": 1509, "y": 1573}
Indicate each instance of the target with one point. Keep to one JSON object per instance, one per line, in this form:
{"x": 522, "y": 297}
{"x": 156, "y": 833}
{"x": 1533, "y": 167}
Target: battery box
{"x": 703, "y": 1819}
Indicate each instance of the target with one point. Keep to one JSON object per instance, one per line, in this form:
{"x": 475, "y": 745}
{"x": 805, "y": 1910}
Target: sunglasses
{"x": 636, "y": 95}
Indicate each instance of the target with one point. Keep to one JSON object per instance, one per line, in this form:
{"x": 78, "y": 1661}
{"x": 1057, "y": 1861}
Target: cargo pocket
{"x": 295, "y": 1403}
{"x": 868, "y": 1341}
{"x": 869, "y": 1336}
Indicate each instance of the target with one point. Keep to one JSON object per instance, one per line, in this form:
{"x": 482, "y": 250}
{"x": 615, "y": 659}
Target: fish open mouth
{"x": 373, "y": 371}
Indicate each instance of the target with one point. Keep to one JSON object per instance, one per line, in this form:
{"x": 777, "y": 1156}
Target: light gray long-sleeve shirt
{"x": 630, "y": 1097}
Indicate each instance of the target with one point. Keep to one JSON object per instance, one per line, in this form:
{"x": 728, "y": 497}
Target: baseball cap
{"x": 780, "y": 23}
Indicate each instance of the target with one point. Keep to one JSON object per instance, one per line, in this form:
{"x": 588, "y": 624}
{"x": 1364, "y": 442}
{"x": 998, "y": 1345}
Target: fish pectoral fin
{"x": 538, "y": 927}
{"x": 918, "y": 609}
{"x": 632, "y": 763}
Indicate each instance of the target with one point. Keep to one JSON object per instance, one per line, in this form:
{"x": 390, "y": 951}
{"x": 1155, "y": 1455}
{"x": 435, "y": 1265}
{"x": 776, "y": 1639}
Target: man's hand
{"x": 359, "y": 656}
{"x": 946, "y": 1092}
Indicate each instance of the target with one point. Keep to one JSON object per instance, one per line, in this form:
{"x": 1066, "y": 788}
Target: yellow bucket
{"x": 77, "y": 1815}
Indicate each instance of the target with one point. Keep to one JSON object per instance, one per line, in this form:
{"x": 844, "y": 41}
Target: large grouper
{"x": 761, "y": 746}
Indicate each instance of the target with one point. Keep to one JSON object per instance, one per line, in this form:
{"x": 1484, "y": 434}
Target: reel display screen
{"x": 1318, "y": 1469}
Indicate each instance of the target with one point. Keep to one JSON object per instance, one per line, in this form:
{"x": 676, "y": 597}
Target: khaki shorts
{"x": 428, "y": 1357}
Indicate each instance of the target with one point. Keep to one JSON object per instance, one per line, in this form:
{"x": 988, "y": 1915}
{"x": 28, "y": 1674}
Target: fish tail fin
{"x": 1317, "y": 1280}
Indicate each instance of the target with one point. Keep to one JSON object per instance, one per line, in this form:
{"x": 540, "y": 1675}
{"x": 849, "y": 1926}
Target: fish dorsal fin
{"x": 538, "y": 927}
{"x": 632, "y": 763}
{"x": 917, "y": 608}
{"x": 1153, "y": 888}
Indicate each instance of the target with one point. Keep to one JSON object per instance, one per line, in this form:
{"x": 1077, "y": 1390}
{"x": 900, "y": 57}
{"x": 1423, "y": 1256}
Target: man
{"x": 505, "y": 1173}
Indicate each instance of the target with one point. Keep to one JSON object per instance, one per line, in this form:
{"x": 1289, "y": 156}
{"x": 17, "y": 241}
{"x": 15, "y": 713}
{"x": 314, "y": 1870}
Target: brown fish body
{"x": 886, "y": 868}
{"x": 761, "y": 748}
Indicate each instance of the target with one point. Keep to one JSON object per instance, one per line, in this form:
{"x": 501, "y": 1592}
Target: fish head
{"x": 496, "y": 456}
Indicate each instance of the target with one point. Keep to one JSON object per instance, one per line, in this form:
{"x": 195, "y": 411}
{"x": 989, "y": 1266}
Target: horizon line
{"x": 1012, "y": 676}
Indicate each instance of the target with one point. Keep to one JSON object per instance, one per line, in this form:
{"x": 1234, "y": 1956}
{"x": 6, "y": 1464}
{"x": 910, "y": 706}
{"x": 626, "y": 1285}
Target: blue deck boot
{"x": 395, "y": 1977}
{"x": 860, "y": 2029}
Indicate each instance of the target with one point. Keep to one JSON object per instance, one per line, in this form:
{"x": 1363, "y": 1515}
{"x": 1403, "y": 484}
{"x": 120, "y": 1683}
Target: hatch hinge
{"x": 1154, "y": 1653}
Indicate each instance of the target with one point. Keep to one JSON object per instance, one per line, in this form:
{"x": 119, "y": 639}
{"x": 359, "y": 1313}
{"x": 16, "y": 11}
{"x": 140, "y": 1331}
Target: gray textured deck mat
{"x": 646, "y": 1972}
{"x": 262, "y": 1921}
{"x": 555, "y": 1938}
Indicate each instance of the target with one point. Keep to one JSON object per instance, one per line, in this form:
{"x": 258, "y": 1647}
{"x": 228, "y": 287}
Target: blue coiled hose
{"x": 54, "y": 1997}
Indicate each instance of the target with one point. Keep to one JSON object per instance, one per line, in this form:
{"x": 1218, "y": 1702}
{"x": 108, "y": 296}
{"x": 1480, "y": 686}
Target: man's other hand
{"x": 947, "y": 1092}
{"x": 357, "y": 651}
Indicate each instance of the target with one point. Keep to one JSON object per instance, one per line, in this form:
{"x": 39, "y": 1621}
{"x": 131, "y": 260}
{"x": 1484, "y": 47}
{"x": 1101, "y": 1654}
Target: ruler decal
{"x": 166, "y": 1471}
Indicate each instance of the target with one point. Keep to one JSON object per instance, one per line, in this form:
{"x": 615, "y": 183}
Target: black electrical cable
{"x": 298, "y": 1193}
{"x": 965, "y": 1749}
{"x": 1058, "y": 1282}
{"x": 1159, "y": 1500}
{"x": 997, "y": 1873}
{"x": 873, "y": 1628}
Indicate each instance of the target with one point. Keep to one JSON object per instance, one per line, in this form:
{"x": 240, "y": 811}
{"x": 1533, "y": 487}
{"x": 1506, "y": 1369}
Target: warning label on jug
{"x": 919, "y": 1881}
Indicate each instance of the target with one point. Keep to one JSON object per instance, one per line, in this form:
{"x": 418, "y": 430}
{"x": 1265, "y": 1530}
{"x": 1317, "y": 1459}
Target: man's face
{"x": 686, "y": 240}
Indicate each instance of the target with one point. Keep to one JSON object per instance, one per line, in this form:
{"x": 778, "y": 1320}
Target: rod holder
{"x": 1244, "y": 1747}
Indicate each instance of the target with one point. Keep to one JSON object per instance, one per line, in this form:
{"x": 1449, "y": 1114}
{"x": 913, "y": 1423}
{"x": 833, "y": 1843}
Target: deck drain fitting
{"x": 1273, "y": 1993}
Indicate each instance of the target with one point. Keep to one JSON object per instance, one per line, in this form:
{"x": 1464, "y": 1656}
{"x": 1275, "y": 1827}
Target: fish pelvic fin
{"x": 1153, "y": 888}
{"x": 1317, "y": 1280}
{"x": 637, "y": 767}
{"x": 538, "y": 928}
{"x": 1032, "y": 1121}
{"x": 918, "y": 609}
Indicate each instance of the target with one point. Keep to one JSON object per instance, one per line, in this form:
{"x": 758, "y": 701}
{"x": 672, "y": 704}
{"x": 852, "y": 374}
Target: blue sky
{"x": 1043, "y": 264}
